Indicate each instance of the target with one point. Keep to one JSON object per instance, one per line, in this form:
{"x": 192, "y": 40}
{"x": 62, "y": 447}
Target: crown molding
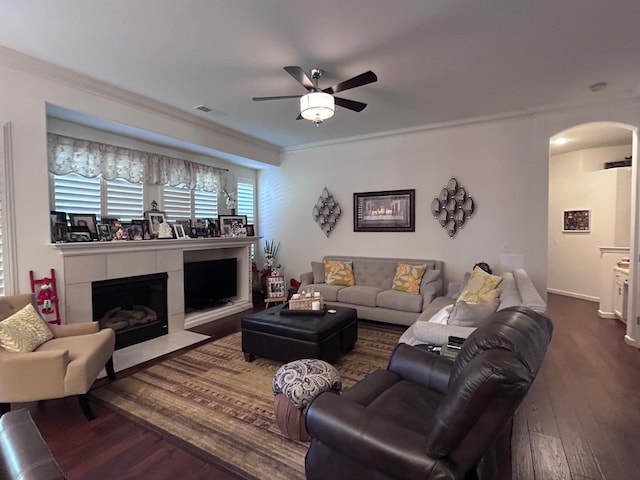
{"x": 529, "y": 112}
{"x": 65, "y": 76}
{"x": 410, "y": 130}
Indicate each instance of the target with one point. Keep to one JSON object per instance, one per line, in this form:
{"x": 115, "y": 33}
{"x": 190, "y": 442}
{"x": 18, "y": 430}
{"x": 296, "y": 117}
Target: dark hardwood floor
{"x": 581, "y": 419}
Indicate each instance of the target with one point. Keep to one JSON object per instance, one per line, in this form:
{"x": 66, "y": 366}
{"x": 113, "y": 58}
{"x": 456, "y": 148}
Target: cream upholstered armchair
{"x": 64, "y": 365}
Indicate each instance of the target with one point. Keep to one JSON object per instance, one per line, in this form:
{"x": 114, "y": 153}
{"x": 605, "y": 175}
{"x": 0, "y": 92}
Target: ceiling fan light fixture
{"x": 317, "y": 107}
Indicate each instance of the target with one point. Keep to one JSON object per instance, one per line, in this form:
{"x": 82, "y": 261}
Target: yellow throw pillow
{"x": 408, "y": 277}
{"x": 481, "y": 287}
{"x": 337, "y": 272}
{"x": 24, "y": 331}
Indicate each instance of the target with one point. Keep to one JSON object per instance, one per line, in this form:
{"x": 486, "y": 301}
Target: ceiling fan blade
{"x": 299, "y": 74}
{"x": 350, "y": 104}
{"x": 357, "y": 81}
{"x": 262, "y": 99}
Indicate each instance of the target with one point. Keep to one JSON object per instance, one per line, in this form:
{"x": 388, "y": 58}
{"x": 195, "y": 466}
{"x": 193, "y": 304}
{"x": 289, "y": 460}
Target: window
{"x": 246, "y": 199}
{"x": 179, "y": 203}
{"x": 176, "y": 203}
{"x": 124, "y": 199}
{"x": 246, "y": 204}
{"x": 119, "y": 198}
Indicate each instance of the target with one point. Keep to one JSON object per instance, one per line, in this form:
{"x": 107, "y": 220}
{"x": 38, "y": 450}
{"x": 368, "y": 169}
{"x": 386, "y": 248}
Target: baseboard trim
{"x": 602, "y": 314}
{"x": 581, "y": 296}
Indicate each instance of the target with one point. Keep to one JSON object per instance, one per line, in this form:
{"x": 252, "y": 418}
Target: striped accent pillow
{"x": 24, "y": 331}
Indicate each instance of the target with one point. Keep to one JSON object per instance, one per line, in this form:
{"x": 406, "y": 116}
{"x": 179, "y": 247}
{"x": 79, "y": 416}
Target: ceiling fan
{"x": 319, "y": 104}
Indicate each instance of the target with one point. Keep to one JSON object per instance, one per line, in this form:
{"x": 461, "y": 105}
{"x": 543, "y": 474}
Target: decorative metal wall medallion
{"x": 326, "y": 212}
{"x": 452, "y": 207}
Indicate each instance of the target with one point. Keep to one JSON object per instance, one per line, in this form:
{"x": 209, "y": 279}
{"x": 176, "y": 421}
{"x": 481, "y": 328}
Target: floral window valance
{"x": 91, "y": 159}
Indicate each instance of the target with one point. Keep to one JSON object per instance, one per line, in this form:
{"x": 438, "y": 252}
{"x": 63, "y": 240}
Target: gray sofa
{"x": 516, "y": 289}
{"x": 372, "y": 295}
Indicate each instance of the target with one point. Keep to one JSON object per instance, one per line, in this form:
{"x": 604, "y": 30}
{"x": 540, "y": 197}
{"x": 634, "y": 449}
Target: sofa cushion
{"x": 359, "y": 295}
{"x": 473, "y": 314}
{"x": 374, "y": 272}
{"x": 480, "y": 287}
{"x": 318, "y": 272}
{"x": 509, "y": 295}
{"x": 24, "y": 331}
{"x": 408, "y": 277}
{"x": 337, "y": 272}
{"x": 403, "y": 301}
{"x": 329, "y": 292}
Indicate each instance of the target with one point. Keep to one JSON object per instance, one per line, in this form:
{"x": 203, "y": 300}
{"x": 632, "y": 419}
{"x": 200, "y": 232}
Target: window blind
{"x": 246, "y": 204}
{"x": 124, "y": 199}
{"x": 205, "y": 204}
{"x": 176, "y": 203}
{"x": 74, "y": 193}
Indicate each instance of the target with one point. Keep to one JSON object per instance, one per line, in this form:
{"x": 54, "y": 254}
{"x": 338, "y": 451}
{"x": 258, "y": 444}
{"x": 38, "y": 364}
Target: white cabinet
{"x": 620, "y": 290}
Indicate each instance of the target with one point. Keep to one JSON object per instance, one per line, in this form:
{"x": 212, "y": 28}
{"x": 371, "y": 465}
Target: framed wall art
{"x": 576, "y": 221}
{"x": 389, "y": 211}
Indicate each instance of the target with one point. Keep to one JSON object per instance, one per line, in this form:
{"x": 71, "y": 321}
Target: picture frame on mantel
{"x": 386, "y": 211}
{"x": 576, "y": 221}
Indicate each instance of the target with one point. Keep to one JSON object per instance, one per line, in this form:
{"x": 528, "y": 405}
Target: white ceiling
{"x": 437, "y": 61}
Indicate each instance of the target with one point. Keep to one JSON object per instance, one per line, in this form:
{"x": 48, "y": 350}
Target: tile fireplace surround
{"x": 84, "y": 263}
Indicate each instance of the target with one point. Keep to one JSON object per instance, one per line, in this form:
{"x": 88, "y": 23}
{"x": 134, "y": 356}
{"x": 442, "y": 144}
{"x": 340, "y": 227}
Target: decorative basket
{"x": 304, "y": 303}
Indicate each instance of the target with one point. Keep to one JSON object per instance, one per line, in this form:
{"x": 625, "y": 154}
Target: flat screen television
{"x": 209, "y": 283}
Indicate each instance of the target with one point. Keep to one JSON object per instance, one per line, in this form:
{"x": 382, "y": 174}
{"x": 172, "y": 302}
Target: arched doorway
{"x": 591, "y": 215}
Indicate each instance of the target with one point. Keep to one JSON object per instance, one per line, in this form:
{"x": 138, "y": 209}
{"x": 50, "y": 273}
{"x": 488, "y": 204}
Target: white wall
{"x": 502, "y": 164}
{"x": 492, "y": 161}
{"x": 578, "y": 181}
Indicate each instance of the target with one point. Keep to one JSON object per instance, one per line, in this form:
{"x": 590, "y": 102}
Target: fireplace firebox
{"x": 135, "y": 307}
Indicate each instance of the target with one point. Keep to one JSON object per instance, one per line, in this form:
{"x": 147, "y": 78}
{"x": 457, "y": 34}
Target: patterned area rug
{"x": 214, "y": 403}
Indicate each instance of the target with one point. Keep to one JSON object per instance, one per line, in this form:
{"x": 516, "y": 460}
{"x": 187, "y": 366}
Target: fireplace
{"x": 135, "y": 307}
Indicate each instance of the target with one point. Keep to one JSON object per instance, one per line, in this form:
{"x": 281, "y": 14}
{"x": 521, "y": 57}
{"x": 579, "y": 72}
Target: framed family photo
{"x": 233, "y": 225}
{"x": 155, "y": 218}
{"x": 85, "y": 220}
{"x": 387, "y": 211}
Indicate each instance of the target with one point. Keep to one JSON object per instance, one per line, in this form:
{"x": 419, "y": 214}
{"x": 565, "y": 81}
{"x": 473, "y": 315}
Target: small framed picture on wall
{"x": 576, "y": 221}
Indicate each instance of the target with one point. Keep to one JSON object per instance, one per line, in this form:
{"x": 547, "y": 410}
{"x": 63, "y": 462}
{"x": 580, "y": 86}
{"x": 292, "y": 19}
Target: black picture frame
{"x": 576, "y": 221}
{"x": 385, "y": 211}
{"x": 85, "y": 220}
{"x": 58, "y": 220}
{"x": 104, "y": 232}
{"x": 233, "y": 225}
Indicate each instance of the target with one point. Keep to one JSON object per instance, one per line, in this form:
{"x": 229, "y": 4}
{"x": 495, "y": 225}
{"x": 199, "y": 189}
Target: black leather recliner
{"x": 427, "y": 417}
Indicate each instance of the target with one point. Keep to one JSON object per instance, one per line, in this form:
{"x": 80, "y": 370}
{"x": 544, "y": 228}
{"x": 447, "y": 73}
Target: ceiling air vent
{"x": 203, "y": 108}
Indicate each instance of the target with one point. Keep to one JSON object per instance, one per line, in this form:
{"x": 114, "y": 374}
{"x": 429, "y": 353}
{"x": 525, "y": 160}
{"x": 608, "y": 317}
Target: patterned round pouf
{"x": 295, "y": 384}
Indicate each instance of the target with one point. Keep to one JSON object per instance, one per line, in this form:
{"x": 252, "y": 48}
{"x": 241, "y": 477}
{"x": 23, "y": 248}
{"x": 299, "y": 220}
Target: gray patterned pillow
{"x": 24, "y": 331}
{"x": 303, "y": 380}
{"x": 473, "y": 314}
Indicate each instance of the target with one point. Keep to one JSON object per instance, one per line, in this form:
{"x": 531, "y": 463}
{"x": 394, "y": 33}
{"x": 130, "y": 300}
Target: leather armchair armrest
{"x": 73, "y": 329}
{"x": 25, "y": 377}
{"x": 421, "y": 367}
{"x": 386, "y": 447}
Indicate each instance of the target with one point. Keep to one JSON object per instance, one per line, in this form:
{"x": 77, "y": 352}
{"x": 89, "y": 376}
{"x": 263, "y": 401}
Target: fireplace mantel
{"x": 118, "y": 246}
{"x": 88, "y": 262}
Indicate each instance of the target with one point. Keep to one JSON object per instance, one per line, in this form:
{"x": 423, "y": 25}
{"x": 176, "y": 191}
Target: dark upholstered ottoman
{"x": 291, "y": 337}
